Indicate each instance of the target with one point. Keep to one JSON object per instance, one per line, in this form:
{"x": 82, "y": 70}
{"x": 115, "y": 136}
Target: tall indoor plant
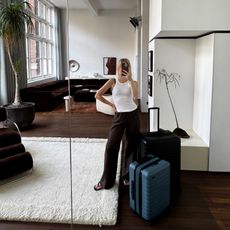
{"x": 14, "y": 18}
{"x": 172, "y": 78}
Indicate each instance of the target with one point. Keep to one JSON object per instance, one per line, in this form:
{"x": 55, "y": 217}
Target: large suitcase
{"x": 149, "y": 187}
{"x": 165, "y": 145}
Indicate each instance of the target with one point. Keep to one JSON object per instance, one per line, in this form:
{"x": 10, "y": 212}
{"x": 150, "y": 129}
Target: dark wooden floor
{"x": 203, "y": 204}
{"x": 62, "y": 124}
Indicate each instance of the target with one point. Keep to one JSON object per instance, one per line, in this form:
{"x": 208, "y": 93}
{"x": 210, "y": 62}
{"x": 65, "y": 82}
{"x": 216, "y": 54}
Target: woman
{"x": 126, "y": 120}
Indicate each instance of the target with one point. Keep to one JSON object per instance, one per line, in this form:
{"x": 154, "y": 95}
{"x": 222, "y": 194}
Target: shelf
{"x": 194, "y": 153}
{"x": 194, "y": 140}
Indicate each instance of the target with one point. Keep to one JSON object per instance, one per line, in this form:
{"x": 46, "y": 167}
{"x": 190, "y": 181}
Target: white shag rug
{"x": 44, "y": 195}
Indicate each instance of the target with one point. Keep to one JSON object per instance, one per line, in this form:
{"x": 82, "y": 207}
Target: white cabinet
{"x": 188, "y": 17}
{"x": 155, "y": 12}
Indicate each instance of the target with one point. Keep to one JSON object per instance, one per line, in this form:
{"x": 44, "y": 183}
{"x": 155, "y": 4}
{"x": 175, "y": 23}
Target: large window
{"x": 41, "y": 52}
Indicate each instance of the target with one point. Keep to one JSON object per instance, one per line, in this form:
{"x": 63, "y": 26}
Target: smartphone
{"x": 125, "y": 66}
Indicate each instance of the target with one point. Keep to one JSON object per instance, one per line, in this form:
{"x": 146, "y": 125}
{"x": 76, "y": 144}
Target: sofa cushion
{"x": 84, "y": 95}
{"x": 9, "y": 137}
{"x": 103, "y": 107}
{"x": 49, "y": 86}
{"x": 59, "y": 91}
{"x": 16, "y": 164}
{"x": 11, "y": 150}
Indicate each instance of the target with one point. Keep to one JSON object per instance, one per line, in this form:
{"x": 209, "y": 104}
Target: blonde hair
{"x": 124, "y": 60}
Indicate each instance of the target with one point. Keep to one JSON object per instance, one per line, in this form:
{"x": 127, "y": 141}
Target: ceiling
{"x": 97, "y": 5}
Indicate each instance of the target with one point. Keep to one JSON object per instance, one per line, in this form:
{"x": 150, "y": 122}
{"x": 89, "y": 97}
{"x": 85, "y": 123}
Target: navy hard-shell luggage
{"x": 165, "y": 145}
{"x": 149, "y": 187}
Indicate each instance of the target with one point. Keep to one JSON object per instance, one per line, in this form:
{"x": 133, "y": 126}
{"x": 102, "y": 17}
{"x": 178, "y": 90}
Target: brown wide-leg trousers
{"x": 127, "y": 123}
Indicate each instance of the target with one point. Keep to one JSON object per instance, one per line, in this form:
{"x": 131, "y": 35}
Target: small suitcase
{"x": 149, "y": 187}
{"x": 165, "y": 145}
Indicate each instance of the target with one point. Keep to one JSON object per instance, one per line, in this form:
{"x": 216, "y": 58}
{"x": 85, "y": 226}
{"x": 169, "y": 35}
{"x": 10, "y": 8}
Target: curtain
{"x": 61, "y": 45}
{"x": 7, "y": 81}
{"x": 3, "y": 84}
{"x": 63, "y": 36}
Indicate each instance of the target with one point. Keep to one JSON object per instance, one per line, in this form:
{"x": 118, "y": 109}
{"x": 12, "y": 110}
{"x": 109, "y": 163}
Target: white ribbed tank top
{"x": 122, "y": 97}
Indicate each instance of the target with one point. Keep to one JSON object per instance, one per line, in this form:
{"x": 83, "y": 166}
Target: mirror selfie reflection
{"x": 78, "y": 82}
{"x": 59, "y": 156}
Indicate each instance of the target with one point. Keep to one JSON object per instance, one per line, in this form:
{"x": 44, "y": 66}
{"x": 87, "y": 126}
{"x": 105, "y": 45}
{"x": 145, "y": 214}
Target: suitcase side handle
{"x": 158, "y": 117}
{"x": 133, "y": 190}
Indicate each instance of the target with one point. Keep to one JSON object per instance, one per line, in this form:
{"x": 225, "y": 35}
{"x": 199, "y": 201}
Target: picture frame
{"x": 109, "y": 65}
{"x": 150, "y": 64}
{"x": 150, "y": 85}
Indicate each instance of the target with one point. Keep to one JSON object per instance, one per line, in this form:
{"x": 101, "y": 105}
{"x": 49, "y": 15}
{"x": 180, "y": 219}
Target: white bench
{"x": 104, "y": 108}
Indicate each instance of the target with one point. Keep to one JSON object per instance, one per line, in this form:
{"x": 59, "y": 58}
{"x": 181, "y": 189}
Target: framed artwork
{"x": 109, "y": 65}
{"x": 150, "y": 65}
{"x": 150, "y": 85}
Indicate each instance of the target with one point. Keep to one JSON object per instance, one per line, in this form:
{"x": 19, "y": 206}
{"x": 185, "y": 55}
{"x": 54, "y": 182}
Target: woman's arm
{"x": 133, "y": 84}
{"x": 134, "y": 88}
{"x": 99, "y": 94}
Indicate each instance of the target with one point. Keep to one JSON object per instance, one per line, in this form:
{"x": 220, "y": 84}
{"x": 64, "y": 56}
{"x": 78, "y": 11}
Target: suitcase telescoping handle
{"x": 158, "y": 117}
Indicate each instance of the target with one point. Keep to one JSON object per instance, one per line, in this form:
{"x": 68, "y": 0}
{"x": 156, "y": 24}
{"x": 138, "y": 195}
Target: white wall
{"x": 144, "y": 55}
{"x": 203, "y": 86}
{"x": 176, "y": 56}
{"x": 91, "y": 38}
{"x": 220, "y": 122}
{"x": 3, "y": 85}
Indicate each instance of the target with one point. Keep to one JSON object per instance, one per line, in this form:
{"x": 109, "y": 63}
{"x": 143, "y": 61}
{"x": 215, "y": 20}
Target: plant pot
{"x": 23, "y": 115}
{"x": 181, "y": 133}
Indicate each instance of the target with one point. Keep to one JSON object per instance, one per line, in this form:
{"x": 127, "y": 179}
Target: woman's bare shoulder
{"x": 111, "y": 82}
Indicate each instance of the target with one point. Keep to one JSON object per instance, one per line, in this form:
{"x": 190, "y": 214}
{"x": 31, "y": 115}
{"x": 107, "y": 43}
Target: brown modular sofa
{"x": 14, "y": 159}
{"x": 49, "y": 95}
{"x": 83, "y": 90}
{"x": 46, "y": 96}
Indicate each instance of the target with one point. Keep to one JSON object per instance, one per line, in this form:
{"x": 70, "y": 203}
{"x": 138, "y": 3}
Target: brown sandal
{"x": 98, "y": 186}
{"x": 125, "y": 182}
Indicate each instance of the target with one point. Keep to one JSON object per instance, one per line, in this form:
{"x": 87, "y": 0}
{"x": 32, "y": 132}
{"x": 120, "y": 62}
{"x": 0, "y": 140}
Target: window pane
{"x": 48, "y": 15}
{"x": 49, "y": 51}
{"x": 43, "y": 30}
{"x": 41, "y": 53}
{"x": 52, "y": 16}
{"x": 44, "y": 50}
{"x": 34, "y": 49}
{"x": 41, "y": 12}
{"x": 49, "y": 34}
{"x": 35, "y": 67}
{"x": 32, "y": 3}
{"x": 37, "y": 27}
{"x": 50, "y": 69}
{"x": 36, "y": 7}
{"x": 45, "y": 72}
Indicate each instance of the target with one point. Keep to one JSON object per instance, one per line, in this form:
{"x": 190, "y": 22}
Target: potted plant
{"x": 172, "y": 78}
{"x": 14, "y": 18}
